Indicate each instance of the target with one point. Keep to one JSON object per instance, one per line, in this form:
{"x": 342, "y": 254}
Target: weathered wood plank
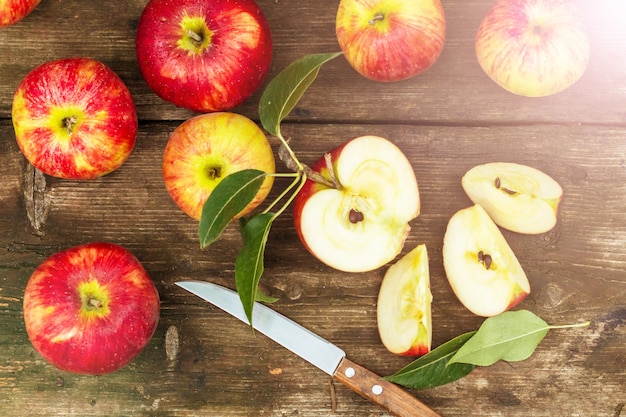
{"x": 454, "y": 91}
{"x": 577, "y": 272}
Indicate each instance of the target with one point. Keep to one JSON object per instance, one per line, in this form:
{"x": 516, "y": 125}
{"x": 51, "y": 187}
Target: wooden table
{"x": 446, "y": 120}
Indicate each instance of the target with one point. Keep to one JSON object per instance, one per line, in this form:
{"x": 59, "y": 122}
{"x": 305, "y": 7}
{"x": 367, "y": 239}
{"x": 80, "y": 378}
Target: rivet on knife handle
{"x": 384, "y": 393}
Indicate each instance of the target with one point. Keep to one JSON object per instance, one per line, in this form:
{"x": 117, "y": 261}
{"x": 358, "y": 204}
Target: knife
{"x": 314, "y": 349}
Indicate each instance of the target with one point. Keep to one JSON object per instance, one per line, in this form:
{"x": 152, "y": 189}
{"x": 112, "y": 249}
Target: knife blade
{"x": 314, "y": 349}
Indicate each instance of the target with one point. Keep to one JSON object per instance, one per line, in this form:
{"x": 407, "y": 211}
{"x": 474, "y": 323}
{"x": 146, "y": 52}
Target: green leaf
{"x": 227, "y": 200}
{"x": 283, "y": 93}
{"x": 510, "y": 336}
{"x": 430, "y": 370}
{"x": 249, "y": 262}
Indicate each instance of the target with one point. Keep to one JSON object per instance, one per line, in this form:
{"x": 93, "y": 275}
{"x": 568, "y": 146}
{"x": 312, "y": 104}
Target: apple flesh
{"x": 90, "y": 309}
{"x": 517, "y": 197}
{"x": 390, "y": 40}
{"x": 13, "y": 11}
{"x": 404, "y": 305}
{"x": 533, "y": 48}
{"x": 205, "y": 149}
{"x": 203, "y": 55}
{"x": 481, "y": 267}
{"x": 361, "y": 222}
{"x": 74, "y": 118}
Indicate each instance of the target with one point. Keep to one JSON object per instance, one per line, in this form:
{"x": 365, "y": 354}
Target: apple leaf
{"x": 227, "y": 200}
{"x": 511, "y": 336}
{"x": 432, "y": 370}
{"x": 284, "y": 91}
{"x": 249, "y": 263}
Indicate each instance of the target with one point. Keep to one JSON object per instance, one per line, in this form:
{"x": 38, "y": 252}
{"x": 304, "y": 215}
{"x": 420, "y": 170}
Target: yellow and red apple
{"x": 13, "y": 11}
{"x": 403, "y": 311}
{"x": 90, "y": 309}
{"x": 533, "y": 48}
{"x": 390, "y": 40}
{"x": 203, "y": 55}
{"x": 360, "y": 223}
{"x": 481, "y": 267}
{"x": 517, "y": 197}
{"x": 74, "y": 118}
{"x": 205, "y": 149}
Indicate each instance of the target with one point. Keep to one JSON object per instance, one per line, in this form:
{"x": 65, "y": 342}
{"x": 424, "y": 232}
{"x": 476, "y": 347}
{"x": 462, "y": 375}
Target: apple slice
{"x": 404, "y": 305}
{"x": 517, "y": 197}
{"x": 481, "y": 267}
{"x": 361, "y": 223}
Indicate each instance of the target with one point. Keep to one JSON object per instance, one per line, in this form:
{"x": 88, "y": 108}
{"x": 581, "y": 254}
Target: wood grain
{"x": 201, "y": 362}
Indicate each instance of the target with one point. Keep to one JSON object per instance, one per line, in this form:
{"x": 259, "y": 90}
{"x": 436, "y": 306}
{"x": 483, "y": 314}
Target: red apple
{"x": 74, "y": 118}
{"x": 481, "y": 267}
{"x": 12, "y": 11}
{"x": 361, "y": 223}
{"x": 203, "y": 55}
{"x": 403, "y": 311}
{"x": 391, "y": 40}
{"x": 207, "y": 148}
{"x": 533, "y": 48}
{"x": 90, "y": 309}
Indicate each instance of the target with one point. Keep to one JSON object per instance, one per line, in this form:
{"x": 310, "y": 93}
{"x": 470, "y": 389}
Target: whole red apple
{"x": 391, "y": 40}
{"x": 203, "y": 55}
{"x": 74, "y": 118}
{"x": 533, "y": 48}
{"x": 90, "y": 309}
{"x": 362, "y": 222}
{"x": 12, "y": 11}
{"x": 205, "y": 149}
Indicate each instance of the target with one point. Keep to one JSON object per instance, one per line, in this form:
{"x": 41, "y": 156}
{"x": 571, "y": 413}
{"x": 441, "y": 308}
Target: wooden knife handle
{"x": 384, "y": 393}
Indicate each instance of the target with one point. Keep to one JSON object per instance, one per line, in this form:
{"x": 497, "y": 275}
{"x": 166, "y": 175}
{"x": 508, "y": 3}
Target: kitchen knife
{"x": 319, "y": 352}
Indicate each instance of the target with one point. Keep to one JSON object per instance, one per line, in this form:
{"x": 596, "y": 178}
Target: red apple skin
{"x": 105, "y": 128}
{"x": 533, "y": 56}
{"x": 102, "y": 340}
{"x": 405, "y": 42}
{"x": 220, "y": 74}
{"x": 13, "y": 11}
{"x": 311, "y": 187}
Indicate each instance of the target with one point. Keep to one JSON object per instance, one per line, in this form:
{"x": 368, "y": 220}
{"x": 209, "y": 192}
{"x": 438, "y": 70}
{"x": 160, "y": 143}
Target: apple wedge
{"x": 404, "y": 305}
{"x": 517, "y": 197}
{"x": 361, "y": 222}
{"x": 481, "y": 267}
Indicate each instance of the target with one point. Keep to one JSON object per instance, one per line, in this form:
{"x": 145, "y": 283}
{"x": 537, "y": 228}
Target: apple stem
{"x": 293, "y": 164}
{"x": 69, "y": 123}
{"x": 93, "y": 302}
{"x": 196, "y": 38}
{"x": 331, "y": 171}
{"x": 377, "y": 18}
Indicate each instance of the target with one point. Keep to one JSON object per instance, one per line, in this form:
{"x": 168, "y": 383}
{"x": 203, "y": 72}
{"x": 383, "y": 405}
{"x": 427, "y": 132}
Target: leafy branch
{"x": 511, "y": 336}
{"x": 237, "y": 190}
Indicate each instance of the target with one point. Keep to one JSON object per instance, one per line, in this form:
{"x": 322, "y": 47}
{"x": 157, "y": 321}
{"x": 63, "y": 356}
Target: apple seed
{"x": 485, "y": 259}
{"x": 355, "y": 216}
{"x": 499, "y": 186}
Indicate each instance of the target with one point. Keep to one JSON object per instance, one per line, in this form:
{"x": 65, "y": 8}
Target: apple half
{"x": 404, "y": 305}
{"x": 481, "y": 267}
{"x": 517, "y": 197}
{"x": 361, "y": 223}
